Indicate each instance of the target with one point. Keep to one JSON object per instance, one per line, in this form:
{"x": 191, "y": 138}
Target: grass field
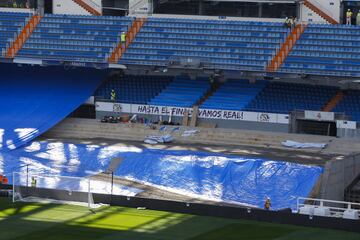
{"x": 50, "y": 221}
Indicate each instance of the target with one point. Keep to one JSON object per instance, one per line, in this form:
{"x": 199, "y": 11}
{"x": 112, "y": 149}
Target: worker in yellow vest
{"x": 358, "y": 19}
{"x": 123, "y": 39}
{"x": 348, "y": 17}
{"x": 113, "y": 95}
{"x": 33, "y": 182}
{"x": 267, "y": 204}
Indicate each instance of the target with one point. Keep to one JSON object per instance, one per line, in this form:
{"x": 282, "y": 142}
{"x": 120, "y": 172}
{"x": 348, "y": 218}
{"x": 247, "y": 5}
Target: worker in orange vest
{"x": 1, "y": 179}
{"x": 5, "y": 180}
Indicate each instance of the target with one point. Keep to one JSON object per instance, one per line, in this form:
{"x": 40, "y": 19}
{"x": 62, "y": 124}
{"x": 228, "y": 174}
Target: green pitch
{"x": 66, "y": 222}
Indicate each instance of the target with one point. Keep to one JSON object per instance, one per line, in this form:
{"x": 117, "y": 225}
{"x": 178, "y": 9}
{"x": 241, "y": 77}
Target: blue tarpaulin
{"x": 218, "y": 177}
{"x": 33, "y": 99}
{"x": 222, "y": 178}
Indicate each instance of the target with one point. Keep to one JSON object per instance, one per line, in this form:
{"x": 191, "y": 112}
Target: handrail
{"x": 135, "y": 6}
{"x": 94, "y": 5}
{"x": 328, "y": 207}
{"x": 319, "y": 6}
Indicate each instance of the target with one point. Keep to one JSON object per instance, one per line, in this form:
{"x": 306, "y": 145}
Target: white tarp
{"x": 293, "y": 144}
{"x": 158, "y": 139}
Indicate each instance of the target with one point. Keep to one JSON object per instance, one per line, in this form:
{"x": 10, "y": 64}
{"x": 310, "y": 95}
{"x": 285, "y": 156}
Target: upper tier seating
{"x": 350, "y": 104}
{"x": 218, "y": 43}
{"x": 234, "y": 95}
{"x": 285, "y": 97}
{"x": 11, "y": 25}
{"x": 75, "y": 37}
{"x": 133, "y": 89}
{"x": 326, "y": 50}
{"x": 182, "y": 92}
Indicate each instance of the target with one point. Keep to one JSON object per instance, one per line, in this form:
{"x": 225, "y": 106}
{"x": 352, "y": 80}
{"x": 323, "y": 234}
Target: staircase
{"x": 23, "y": 36}
{"x": 214, "y": 87}
{"x": 320, "y": 12}
{"x": 130, "y": 35}
{"x": 138, "y": 7}
{"x": 285, "y": 49}
{"x": 334, "y": 101}
{"x": 87, "y": 7}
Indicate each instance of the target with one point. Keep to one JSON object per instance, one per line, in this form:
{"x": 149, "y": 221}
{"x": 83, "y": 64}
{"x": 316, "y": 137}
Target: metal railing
{"x": 94, "y": 5}
{"x": 327, "y": 208}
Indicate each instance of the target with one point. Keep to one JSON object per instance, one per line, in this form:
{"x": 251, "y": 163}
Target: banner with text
{"x": 203, "y": 113}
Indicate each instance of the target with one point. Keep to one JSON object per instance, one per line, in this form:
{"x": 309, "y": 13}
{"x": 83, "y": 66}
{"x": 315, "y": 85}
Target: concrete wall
{"x": 338, "y": 175}
{"x": 330, "y": 7}
{"x": 20, "y": 10}
{"x": 68, "y": 7}
{"x": 91, "y": 128}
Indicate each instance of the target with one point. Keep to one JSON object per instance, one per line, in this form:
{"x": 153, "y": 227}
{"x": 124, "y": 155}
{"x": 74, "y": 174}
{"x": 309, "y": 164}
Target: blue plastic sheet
{"x": 222, "y": 178}
{"x": 199, "y": 174}
{"x": 33, "y": 99}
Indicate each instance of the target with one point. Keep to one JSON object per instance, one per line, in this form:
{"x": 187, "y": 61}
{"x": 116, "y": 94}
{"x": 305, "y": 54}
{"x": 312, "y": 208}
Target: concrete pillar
{"x": 41, "y": 7}
{"x": 260, "y": 9}
{"x": 201, "y": 7}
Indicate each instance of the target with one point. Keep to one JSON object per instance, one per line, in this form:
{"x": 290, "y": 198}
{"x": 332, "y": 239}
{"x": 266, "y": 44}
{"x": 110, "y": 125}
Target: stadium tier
{"x": 285, "y": 97}
{"x": 75, "y": 37}
{"x": 133, "y": 89}
{"x": 350, "y": 104}
{"x": 221, "y": 44}
{"x": 234, "y": 95}
{"x": 326, "y": 50}
{"x": 182, "y": 92}
{"x": 11, "y": 25}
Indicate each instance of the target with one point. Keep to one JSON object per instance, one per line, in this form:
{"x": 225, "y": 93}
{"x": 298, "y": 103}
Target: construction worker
{"x": 267, "y": 204}
{"x": 5, "y": 180}
{"x": 15, "y": 4}
{"x": 33, "y": 182}
{"x": 348, "y": 17}
{"x": 1, "y": 179}
{"x": 358, "y": 19}
{"x": 113, "y": 95}
{"x": 123, "y": 39}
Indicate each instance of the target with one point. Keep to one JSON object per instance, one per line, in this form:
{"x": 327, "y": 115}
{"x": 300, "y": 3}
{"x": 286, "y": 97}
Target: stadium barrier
{"x": 328, "y": 208}
{"x": 280, "y": 217}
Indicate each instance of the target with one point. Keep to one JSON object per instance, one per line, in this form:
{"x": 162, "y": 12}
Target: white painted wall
{"x": 330, "y": 7}
{"x": 142, "y": 6}
{"x": 96, "y": 4}
{"x": 70, "y": 7}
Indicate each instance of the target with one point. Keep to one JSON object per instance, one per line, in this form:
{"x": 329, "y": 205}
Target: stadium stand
{"x": 326, "y": 50}
{"x": 234, "y": 95}
{"x": 350, "y": 104}
{"x": 133, "y": 89}
{"x": 221, "y": 44}
{"x": 34, "y": 99}
{"x": 10, "y": 26}
{"x": 182, "y": 92}
{"x": 75, "y": 37}
{"x": 281, "y": 97}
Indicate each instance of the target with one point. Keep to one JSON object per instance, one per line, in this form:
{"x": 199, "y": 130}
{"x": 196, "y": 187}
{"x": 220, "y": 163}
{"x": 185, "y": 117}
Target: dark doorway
{"x": 316, "y": 127}
{"x": 48, "y": 7}
{"x": 84, "y": 111}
